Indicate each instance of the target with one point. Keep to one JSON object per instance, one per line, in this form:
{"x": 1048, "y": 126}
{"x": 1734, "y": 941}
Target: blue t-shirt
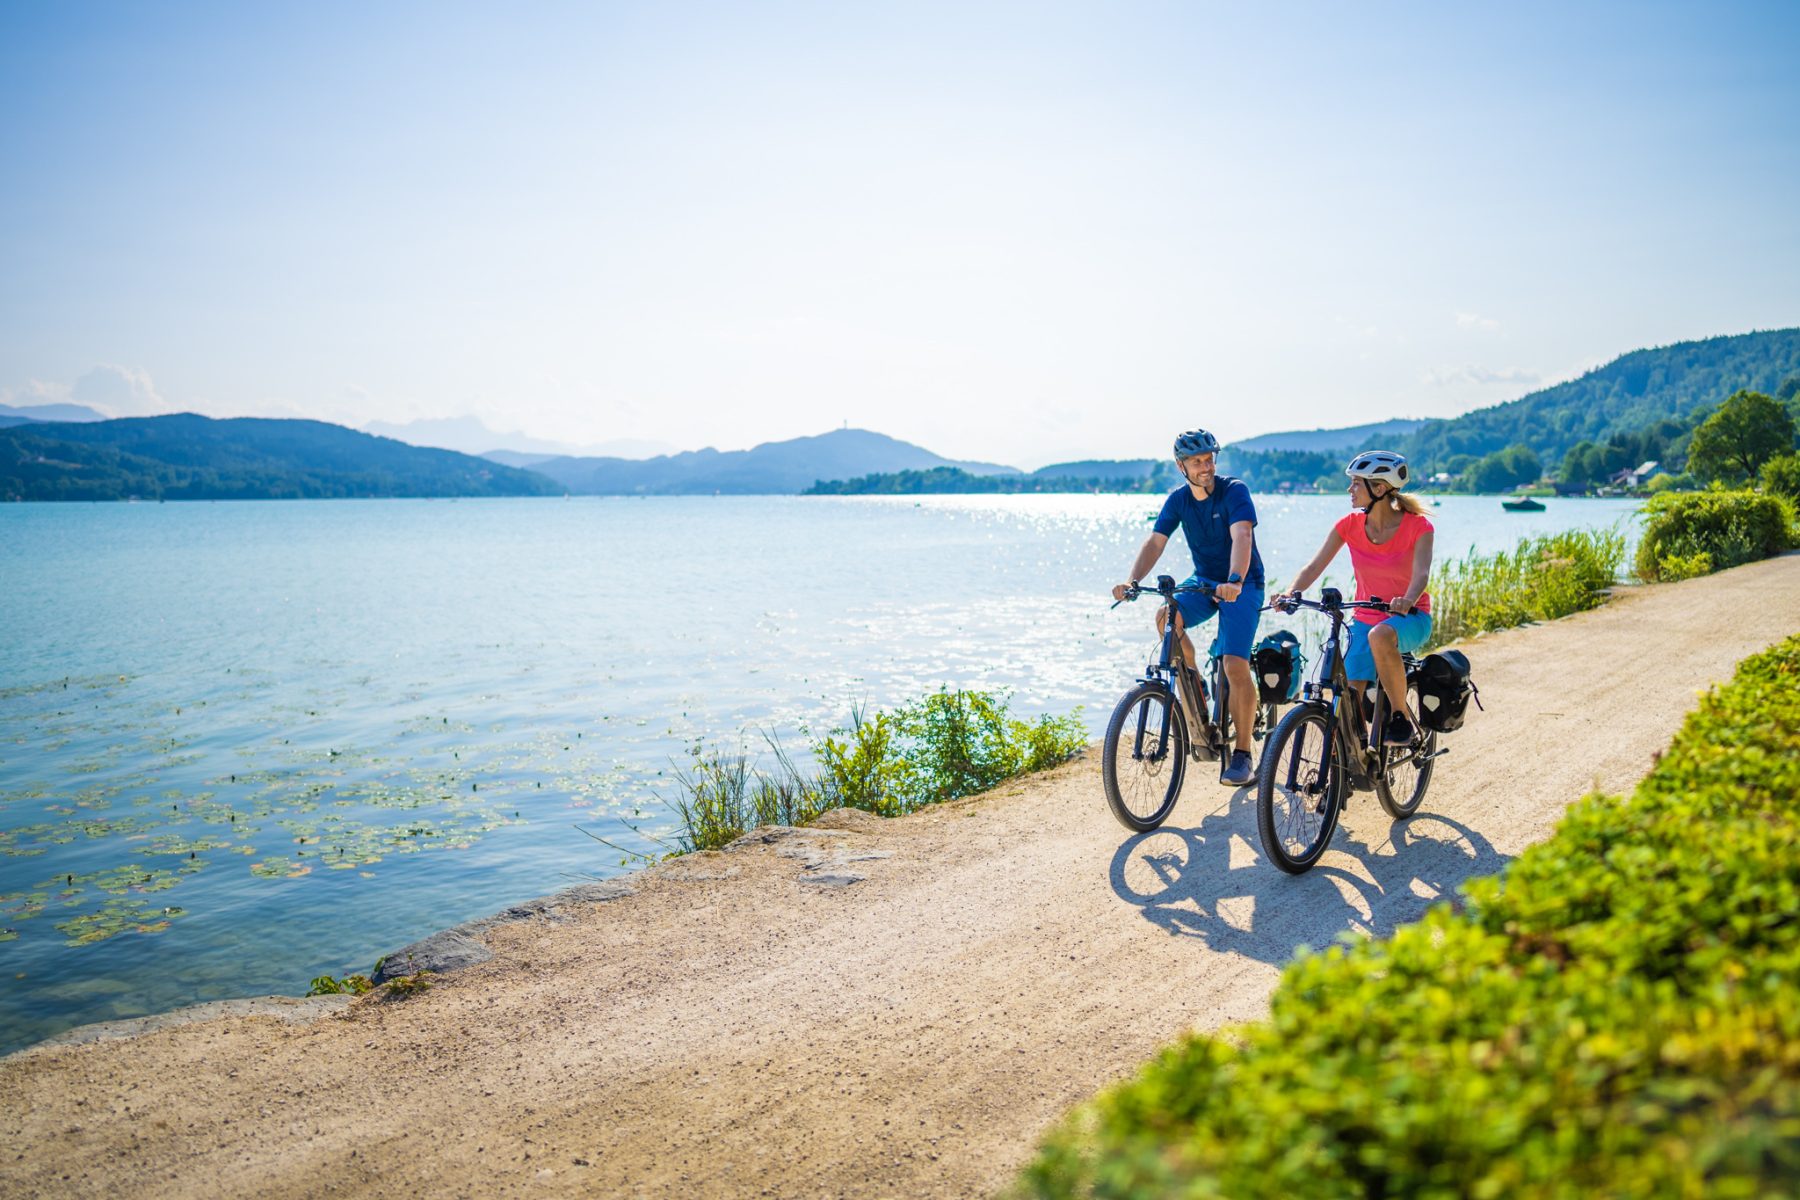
{"x": 1207, "y": 526}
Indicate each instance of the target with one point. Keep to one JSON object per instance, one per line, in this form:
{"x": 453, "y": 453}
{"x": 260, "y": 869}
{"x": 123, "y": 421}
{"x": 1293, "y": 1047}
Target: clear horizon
{"x": 1049, "y": 229}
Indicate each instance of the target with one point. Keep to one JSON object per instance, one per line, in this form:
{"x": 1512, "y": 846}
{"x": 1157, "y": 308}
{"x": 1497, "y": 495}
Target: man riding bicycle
{"x": 1218, "y": 518}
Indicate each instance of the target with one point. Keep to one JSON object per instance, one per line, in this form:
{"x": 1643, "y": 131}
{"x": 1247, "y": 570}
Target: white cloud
{"x": 1469, "y": 320}
{"x": 120, "y": 391}
{"x": 1480, "y": 376}
{"x": 35, "y": 391}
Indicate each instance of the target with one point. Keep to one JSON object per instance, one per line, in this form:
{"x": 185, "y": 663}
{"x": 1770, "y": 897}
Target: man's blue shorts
{"x": 1359, "y": 660}
{"x": 1237, "y": 619}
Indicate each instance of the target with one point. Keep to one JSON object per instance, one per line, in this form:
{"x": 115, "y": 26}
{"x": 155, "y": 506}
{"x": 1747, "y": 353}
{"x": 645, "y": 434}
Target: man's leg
{"x": 1237, "y": 633}
{"x": 1243, "y": 700}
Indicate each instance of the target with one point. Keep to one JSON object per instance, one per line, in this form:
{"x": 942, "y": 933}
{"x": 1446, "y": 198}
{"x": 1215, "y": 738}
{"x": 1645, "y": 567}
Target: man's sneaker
{"x": 1399, "y": 731}
{"x": 1239, "y": 770}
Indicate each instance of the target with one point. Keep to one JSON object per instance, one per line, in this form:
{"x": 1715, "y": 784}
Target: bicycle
{"x": 1151, "y": 721}
{"x": 1321, "y": 753}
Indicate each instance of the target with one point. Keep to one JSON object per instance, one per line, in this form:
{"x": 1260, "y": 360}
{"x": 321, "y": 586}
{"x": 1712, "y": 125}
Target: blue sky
{"x": 1020, "y": 233}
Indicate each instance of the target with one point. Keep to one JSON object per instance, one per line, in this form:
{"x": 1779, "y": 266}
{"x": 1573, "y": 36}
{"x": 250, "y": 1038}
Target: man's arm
{"x": 1241, "y": 534}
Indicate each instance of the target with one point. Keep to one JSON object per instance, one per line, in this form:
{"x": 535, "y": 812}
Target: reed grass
{"x": 1542, "y": 578}
{"x": 947, "y": 745}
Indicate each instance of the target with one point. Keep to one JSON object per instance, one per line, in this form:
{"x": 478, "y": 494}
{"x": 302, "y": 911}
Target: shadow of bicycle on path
{"x": 1212, "y": 881}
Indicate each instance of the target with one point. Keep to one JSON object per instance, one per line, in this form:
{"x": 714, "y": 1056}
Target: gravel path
{"x": 882, "y": 1008}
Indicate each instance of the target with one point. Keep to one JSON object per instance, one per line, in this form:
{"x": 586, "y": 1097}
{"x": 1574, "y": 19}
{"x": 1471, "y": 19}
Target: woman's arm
{"x": 1334, "y": 542}
{"x": 1421, "y": 575}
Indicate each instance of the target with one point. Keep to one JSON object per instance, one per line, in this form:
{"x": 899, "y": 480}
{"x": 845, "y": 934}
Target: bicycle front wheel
{"x": 1298, "y": 792}
{"x": 1405, "y": 771}
{"x": 1144, "y": 756}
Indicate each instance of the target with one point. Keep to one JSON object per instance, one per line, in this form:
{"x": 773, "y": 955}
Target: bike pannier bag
{"x": 1445, "y": 690}
{"x": 1278, "y": 666}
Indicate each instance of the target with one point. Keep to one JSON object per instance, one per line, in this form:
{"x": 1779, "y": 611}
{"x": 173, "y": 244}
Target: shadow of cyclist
{"x": 1212, "y": 881}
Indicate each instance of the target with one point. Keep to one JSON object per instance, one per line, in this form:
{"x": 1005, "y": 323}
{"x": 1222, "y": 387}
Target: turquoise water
{"x": 244, "y": 744}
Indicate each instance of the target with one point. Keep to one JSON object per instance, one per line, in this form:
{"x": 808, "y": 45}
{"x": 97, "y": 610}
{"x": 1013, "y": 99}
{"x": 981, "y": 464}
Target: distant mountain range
{"x": 9, "y": 415}
{"x": 1348, "y": 440}
{"x": 469, "y": 435}
{"x": 780, "y": 467}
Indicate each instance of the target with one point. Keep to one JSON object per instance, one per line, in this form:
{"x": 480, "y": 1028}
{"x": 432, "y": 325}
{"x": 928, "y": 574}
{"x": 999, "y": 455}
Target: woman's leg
{"x": 1384, "y": 644}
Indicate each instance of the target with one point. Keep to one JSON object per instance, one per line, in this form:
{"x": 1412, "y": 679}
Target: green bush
{"x": 863, "y": 770}
{"x": 1541, "y": 579}
{"x": 1614, "y": 1015}
{"x": 1782, "y": 476}
{"x": 1729, "y": 527}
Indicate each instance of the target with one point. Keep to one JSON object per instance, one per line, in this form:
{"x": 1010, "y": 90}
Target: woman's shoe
{"x": 1239, "y": 771}
{"x": 1399, "y": 731}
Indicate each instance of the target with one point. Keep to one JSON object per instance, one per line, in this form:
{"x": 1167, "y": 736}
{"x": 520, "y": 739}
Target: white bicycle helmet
{"x": 1384, "y": 465}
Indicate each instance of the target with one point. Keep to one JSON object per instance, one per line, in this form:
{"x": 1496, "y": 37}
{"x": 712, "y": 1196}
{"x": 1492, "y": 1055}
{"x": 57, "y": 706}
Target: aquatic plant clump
{"x": 944, "y": 746}
{"x": 1542, "y": 578}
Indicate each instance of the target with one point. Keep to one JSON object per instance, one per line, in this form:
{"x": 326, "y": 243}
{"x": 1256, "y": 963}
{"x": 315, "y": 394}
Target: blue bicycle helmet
{"x": 1195, "y": 441}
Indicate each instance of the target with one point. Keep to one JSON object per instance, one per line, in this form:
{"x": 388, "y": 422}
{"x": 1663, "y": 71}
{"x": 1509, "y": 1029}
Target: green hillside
{"x": 1626, "y": 395}
{"x": 188, "y": 457}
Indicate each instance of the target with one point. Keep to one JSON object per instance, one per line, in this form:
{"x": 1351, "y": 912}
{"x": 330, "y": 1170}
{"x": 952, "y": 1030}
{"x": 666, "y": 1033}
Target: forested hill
{"x": 1625, "y": 395}
{"x": 188, "y": 457}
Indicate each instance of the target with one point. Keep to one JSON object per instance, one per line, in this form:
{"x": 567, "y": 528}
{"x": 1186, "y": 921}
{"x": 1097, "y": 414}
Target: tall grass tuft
{"x": 1542, "y": 578}
{"x": 947, "y": 745}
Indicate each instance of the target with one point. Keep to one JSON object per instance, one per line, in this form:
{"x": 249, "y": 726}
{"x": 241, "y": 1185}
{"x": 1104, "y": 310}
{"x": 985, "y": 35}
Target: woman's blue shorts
{"x": 1359, "y": 661}
{"x": 1237, "y": 618}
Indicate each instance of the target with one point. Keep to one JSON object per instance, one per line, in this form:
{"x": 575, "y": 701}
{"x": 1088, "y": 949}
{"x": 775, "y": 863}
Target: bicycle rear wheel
{"x": 1405, "y": 771}
{"x": 1298, "y": 792}
{"x": 1144, "y": 756}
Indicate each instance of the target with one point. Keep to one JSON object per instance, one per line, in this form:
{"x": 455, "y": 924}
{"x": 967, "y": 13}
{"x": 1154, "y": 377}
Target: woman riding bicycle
{"x": 1390, "y": 551}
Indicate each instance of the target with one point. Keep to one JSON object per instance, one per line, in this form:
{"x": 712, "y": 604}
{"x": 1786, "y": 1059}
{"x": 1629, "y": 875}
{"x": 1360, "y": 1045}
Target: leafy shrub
{"x": 1730, "y": 528}
{"x": 1614, "y": 1015}
{"x": 349, "y": 985}
{"x": 957, "y": 743}
{"x": 1539, "y": 580}
{"x": 1782, "y": 476}
{"x": 864, "y": 771}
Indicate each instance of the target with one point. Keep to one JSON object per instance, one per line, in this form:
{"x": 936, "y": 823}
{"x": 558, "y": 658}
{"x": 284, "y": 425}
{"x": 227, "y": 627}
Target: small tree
{"x": 1734, "y": 443}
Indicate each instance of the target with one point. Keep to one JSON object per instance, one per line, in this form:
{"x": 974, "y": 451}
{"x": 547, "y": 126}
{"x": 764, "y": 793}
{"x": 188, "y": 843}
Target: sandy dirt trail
{"x": 727, "y": 1029}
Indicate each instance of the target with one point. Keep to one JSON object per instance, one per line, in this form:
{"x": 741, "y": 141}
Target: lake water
{"x": 245, "y": 744}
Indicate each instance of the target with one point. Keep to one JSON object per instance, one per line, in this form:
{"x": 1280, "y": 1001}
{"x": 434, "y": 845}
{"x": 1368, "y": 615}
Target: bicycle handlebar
{"x": 1204, "y": 587}
{"x": 1287, "y": 604}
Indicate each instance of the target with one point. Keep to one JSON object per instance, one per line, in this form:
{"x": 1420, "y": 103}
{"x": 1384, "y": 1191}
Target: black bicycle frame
{"x": 1331, "y": 693}
{"x": 1204, "y": 734}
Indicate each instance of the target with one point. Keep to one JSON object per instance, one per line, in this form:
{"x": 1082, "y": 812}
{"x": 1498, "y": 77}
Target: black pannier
{"x": 1445, "y": 690}
{"x": 1278, "y": 666}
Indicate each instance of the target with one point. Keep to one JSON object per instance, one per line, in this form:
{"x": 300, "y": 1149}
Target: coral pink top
{"x": 1383, "y": 569}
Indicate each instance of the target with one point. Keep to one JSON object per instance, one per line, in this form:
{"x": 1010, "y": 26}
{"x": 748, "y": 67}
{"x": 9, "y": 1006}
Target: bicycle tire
{"x": 1296, "y": 822}
{"x": 1405, "y": 771}
{"x": 1133, "y": 782}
